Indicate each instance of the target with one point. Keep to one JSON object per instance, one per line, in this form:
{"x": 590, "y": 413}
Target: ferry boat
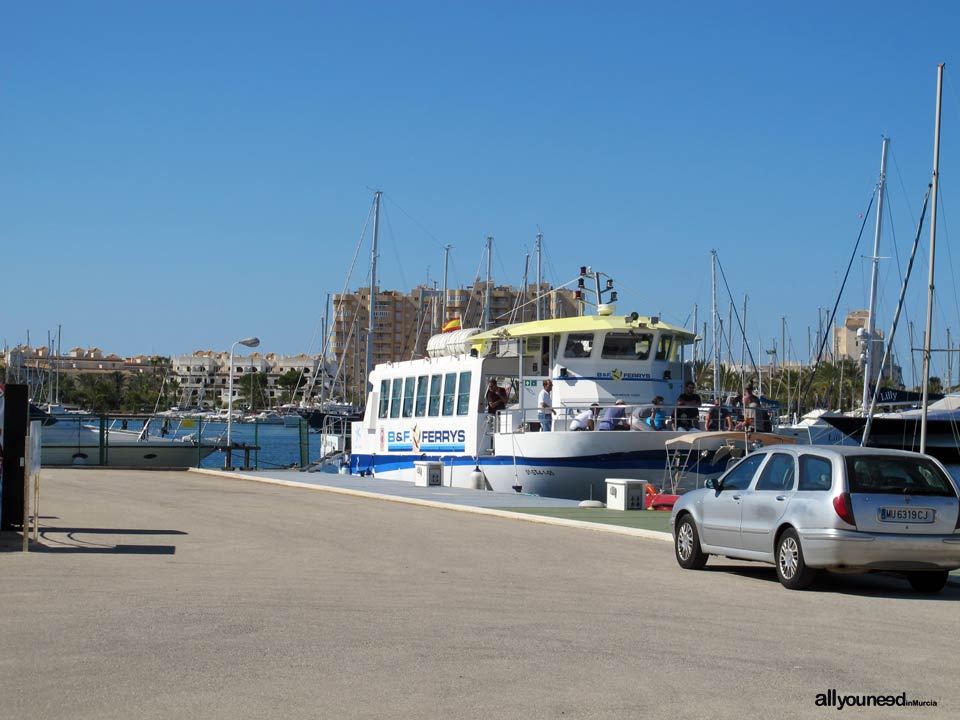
{"x": 433, "y": 410}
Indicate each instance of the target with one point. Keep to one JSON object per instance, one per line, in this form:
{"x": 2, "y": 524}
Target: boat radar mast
{"x": 604, "y": 306}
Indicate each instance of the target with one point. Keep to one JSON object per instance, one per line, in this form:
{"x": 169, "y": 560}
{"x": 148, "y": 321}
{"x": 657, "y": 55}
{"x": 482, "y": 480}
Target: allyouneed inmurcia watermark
{"x": 835, "y": 699}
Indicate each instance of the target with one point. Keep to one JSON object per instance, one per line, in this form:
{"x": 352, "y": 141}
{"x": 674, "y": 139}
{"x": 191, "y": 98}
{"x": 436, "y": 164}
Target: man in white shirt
{"x": 545, "y": 407}
{"x": 585, "y": 420}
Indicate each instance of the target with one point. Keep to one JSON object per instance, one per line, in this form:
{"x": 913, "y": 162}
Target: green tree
{"x": 288, "y": 383}
{"x": 252, "y": 389}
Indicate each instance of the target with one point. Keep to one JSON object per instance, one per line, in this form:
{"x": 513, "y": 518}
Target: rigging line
{"x": 338, "y": 309}
{"x": 396, "y": 251}
{"x": 896, "y": 316}
{"x": 415, "y": 221}
{"x": 473, "y": 290}
{"x": 550, "y": 292}
{"x": 736, "y": 314}
{"x": 903, "y": 188}
{"x": 896, "y": 249}
{"x": 946, "y": 233}
{"x": 499, "y": 259}
{"x": 833, "y": 315}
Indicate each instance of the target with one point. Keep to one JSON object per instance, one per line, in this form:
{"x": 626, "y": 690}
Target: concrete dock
{"x": 180, "y": 594}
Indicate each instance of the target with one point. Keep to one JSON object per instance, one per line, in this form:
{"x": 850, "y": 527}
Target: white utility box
{"x": 428, "y": 474}
{"x": 624, "y": 494}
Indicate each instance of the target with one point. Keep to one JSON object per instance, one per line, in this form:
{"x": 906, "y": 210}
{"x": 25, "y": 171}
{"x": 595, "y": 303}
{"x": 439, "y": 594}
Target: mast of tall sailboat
{"x": 716, "y": 344}
{"x": 933, "y": 246}
{"x": 868, "y": 330}
{"x": 373, "y": 288}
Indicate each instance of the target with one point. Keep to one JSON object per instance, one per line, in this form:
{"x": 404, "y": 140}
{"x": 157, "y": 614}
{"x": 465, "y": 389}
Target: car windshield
{"x": 895, "y": 475}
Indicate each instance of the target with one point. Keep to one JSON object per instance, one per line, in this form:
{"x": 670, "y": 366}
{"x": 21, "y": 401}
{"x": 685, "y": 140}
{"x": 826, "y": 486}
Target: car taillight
{"x": 844, "y": 508}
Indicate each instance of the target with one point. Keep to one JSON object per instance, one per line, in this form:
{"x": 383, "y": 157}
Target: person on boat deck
{"x": 751, "y": 403}
{"x": 614, "y": 418}
{"x": 496, "y": 397}
{"x": 718, "y": 416}
{"x": 688, "y": 408}
{"x": 585, "y": 420}
{"x": 545, "y": 411}
{"x": 658, "y": 418}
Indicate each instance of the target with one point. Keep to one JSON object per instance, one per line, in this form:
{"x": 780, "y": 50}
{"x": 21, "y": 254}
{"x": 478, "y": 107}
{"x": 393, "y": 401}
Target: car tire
{"x": 930, "y": 581}
{"x": 686, "y": 545}
{"x": 792, "y": 570}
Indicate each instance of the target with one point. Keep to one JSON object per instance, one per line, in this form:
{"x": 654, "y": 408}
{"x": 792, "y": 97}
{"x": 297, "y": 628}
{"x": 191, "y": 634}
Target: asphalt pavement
{"x": 175, "y": 595}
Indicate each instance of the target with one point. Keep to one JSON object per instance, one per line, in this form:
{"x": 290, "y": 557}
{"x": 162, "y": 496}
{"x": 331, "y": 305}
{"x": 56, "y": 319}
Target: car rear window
{"x": 893, "y": 475}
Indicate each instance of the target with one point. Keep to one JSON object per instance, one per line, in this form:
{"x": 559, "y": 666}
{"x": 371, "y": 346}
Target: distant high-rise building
{"x": 403, "y": 323}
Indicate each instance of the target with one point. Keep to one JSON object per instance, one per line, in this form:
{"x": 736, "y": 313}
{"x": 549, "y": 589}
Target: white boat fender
{"x": 478, "y": 481}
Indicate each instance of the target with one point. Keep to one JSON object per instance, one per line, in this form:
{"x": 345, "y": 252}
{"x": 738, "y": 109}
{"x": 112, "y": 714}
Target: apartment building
{"x": 404, "y": 322}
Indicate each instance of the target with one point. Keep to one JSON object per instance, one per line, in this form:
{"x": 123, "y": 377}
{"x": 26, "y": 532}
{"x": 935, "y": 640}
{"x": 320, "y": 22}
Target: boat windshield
{"x": 626, "y": 345}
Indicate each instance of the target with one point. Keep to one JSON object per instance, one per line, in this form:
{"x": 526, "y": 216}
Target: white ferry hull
{"x": 572, "y": 465}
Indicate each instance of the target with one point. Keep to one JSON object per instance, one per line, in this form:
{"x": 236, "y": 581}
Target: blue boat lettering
{"x": 426, "y": 440}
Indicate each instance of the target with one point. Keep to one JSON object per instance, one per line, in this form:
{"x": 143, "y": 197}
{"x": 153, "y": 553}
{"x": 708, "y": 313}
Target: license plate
{"x": 906, "y": 514}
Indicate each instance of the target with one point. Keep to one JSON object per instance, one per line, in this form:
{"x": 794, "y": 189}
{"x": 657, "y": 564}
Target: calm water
{"x": 279, "y": 445}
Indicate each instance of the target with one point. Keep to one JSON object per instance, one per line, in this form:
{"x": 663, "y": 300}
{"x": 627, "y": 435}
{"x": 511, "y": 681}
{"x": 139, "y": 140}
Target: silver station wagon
{"x": 807, "y": 508}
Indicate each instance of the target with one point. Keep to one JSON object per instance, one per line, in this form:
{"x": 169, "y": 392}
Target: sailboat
{"x": 931, "y": 428}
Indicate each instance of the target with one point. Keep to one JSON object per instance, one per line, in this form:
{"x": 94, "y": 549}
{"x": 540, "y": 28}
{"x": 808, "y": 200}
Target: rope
{"x": 833, "y": 315}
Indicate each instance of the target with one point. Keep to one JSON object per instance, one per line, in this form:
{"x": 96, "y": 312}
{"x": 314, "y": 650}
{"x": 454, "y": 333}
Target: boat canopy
{"x": 716, "y": 440}
{"x": 585, "y": 323}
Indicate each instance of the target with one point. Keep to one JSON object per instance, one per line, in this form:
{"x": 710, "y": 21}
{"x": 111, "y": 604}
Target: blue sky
{"x": 177, "y": 175}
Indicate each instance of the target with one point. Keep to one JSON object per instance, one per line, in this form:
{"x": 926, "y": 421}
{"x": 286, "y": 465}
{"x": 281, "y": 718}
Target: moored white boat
{"x": 432, "y": 410}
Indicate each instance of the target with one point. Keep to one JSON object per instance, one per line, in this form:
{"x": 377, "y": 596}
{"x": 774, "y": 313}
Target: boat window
{"x": 632, "y": 346}
{"x": 449, "y": 390}
{"x": 421, "y": 404}
{"x": 579, "y": 345}
{"x": 384, "y": 398}
{"x": 663, "y": 347}
{"x": 435, "y": 395}
{"x": 816, "y": 473}
{"x": 395, "y": 397}
{"x": 408, "y": 385}
{"x": 463, "y": 397}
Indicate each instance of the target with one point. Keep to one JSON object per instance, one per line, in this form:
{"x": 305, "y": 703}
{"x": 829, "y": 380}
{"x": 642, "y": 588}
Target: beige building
{"x": 849, "y": 343}
{"x": 204, "y": 377}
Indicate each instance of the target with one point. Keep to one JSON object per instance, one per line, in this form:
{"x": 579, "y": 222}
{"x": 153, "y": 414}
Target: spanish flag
{"x": 452, "y": 325}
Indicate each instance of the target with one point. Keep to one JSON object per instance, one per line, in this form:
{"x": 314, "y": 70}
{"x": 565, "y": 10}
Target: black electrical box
{"x": 14, "y": 415}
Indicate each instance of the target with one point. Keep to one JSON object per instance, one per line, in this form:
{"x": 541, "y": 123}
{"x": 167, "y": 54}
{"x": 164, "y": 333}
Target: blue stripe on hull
{"x": 646, "y": 460}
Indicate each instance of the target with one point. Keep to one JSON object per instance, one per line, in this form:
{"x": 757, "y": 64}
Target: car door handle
{"x": 781, "y": 498}
{"x": 737, "y": 497}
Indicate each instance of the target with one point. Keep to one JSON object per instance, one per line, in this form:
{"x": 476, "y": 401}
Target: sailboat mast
{"x": 933, "y": 247}
{"x": 373, "y": 287}
{"x": 716, "y": 344}
{"x": 443, "y": 299}
{"x": 539, "y": 271}
{"x": 486, "y": 299}
{"x": 868, "y": 330}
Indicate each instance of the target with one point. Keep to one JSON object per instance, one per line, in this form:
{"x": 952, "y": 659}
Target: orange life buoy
{"x": 651, "y": 490}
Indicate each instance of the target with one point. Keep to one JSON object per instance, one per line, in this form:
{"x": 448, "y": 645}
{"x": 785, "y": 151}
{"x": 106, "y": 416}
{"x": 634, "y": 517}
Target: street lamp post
{"x": 251, "y": 342}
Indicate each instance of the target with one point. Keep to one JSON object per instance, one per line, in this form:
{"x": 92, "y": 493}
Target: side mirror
{"x": 712, "y": 484}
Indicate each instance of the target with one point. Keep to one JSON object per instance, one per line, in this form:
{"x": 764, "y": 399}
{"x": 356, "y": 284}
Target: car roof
{"x": 838, "y": 451}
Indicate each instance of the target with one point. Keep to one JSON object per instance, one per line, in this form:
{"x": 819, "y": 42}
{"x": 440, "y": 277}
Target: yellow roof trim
{"x": 586, "y": 323}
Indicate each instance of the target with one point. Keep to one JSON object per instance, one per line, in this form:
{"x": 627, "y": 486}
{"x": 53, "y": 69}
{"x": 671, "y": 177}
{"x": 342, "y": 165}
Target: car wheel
{"x": 931, "y": 581}
{"x": 792, "y": 571}
{"x": 686, "y": 543}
